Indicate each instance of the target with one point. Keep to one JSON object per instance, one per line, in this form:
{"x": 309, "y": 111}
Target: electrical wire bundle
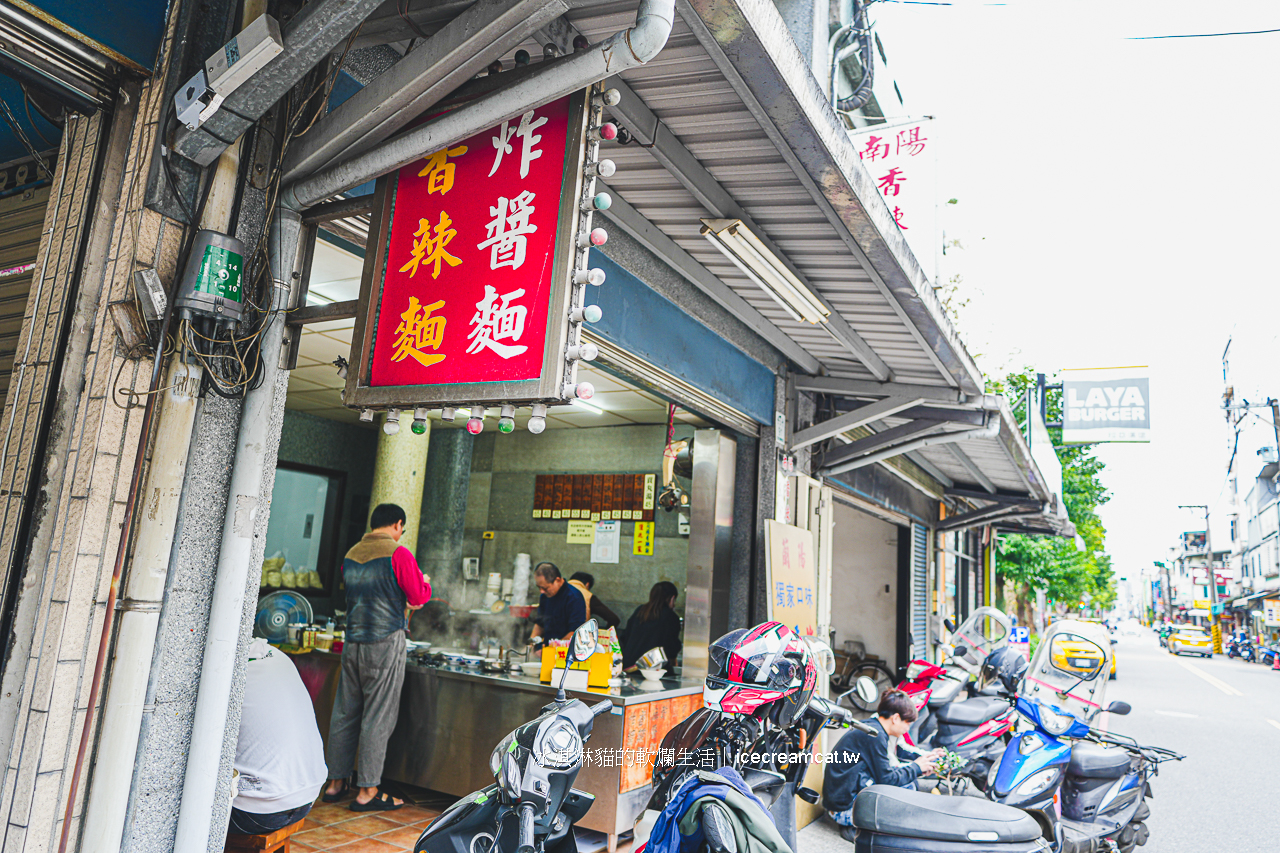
{"x": 230, "y": 353}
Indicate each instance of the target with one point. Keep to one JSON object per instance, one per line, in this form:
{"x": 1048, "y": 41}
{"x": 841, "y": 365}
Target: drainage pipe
{"x": 990, "y": 430}
{"x": 135, "y": 642}
{"x": 204, "y": 756}
{"x": 624, "y": 49}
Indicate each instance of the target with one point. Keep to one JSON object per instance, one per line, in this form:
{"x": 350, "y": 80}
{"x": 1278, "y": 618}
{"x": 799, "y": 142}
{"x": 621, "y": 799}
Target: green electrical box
{"x": 213, "y": 283}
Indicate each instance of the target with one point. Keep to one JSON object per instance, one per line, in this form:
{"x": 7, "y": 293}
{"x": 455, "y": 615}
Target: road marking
{"x": 1176, "y": 714}
{"x": 1274, "y": 723}
{"x": 1216, "y": 682}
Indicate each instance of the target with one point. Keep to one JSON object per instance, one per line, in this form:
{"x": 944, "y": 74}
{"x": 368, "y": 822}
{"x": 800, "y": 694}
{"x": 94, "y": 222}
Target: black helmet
{"x": 1005, "y": 665}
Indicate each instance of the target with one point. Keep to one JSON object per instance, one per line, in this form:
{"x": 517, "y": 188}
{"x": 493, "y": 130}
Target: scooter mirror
{"x": 960, "y": 651}
{"x": 866, "y": 690}
{"x": 1120, "y": 708}
{"x": 584, "y": 641}
{"x": 949, "y": 625}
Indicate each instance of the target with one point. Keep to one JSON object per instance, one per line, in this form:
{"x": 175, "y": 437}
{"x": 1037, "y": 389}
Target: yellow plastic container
{"x": 599, "y": 666}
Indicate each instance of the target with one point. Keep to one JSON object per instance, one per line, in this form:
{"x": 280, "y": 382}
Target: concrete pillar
{"x": 399, "y": 473}
{"x": 444, "y": 506}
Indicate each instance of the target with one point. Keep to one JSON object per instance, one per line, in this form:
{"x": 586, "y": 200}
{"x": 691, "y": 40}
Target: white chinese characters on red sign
{"x": 901, "y": 161}
{"x": 470, "y": 255}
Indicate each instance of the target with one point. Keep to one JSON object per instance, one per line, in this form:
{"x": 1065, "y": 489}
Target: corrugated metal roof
{"x": 686, "y": 90}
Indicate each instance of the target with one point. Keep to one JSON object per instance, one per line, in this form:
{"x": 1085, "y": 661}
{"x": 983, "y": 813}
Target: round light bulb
{"x": 475, "y": 426}
{"x": 419, "y": 427}
{"x": 506, "y": 425}
{"x": 606, "y": 168}
{"x": 599, "y": 236}
{"x": 592, "y": 313}
{"x": 608, "y": 130}
{"x": 537, "y": 425}
{"x": 602, "y": 201}
{"x": 585, "y": 391}
{"x": 391, "y": 427}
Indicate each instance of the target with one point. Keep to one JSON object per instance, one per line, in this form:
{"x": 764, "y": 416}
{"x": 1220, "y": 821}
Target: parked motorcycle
{"x": 968, "y": 717}
{"x": 1089, "y": 796}
{"x": 533, "y": 806}
{"x": 753, "y": 729}
{"x": 1242, "y": 647}
{"x": 898, "y": 820}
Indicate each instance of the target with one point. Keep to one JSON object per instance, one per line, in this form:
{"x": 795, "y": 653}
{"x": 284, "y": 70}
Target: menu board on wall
{"x": 594, "y": 497}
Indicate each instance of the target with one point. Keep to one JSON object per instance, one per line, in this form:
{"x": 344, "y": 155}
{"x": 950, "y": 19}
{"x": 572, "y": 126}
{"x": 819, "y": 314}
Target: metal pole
{"x": 1275, "y": 420}
{"x": 204, "y": 755}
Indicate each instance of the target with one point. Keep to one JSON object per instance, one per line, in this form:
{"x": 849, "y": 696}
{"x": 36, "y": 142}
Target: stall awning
{"x": 735, "y": 143}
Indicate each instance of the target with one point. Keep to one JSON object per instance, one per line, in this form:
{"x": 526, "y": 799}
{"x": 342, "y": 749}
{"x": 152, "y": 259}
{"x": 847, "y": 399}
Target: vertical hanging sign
{"x": 902, "y": 161}
{"x": 469, "y": 296}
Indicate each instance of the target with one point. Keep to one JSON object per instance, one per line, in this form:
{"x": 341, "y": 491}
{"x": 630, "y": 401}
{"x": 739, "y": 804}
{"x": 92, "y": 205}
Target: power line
{"x": 1203, "y": 35}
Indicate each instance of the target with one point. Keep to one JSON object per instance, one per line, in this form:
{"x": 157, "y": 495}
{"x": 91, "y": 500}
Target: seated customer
{"x": 876, "y": 759}
{"x": 561, "y": 608}
{"x": 596, "y": 608}
{"x": 279, "y": 754}
{"x": 653, "y": 625}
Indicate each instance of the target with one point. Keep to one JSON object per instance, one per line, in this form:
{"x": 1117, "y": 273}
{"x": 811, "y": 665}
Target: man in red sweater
{"x": 382, "y": 579}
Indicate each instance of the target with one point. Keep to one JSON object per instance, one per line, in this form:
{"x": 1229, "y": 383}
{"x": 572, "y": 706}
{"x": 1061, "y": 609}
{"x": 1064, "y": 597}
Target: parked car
{"x": 1191, "y": 639}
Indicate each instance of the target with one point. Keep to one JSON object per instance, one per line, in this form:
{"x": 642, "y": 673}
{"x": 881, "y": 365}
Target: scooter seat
{"x": 1097, "y": 762}
{"x": 944, "y": 691}
{"x": 889, "y": 810}
{"x": 972, "y": 712}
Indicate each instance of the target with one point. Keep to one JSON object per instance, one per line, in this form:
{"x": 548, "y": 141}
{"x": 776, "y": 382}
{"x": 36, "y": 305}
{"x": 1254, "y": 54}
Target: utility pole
{"x": 1166, "y": 592}
{"x": 1215, "y": 628}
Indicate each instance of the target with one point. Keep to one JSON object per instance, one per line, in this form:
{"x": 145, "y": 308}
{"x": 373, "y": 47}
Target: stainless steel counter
{"x": 451, "y": 718}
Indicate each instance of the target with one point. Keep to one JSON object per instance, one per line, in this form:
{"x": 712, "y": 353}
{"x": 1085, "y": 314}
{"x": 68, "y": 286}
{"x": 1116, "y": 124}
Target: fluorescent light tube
{"x": 762, "y": 266}
{"x": 581, "y": 404}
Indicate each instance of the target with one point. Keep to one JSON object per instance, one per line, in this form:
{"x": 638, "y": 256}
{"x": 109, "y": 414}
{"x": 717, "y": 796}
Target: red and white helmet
{"x": 753, "y": 667}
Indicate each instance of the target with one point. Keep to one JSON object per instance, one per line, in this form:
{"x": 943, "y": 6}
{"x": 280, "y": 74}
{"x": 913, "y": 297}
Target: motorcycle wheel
{"x": 877, "y": 672}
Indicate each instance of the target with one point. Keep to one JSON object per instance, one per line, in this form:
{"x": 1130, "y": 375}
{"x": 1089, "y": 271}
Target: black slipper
{"x": 333, "y": 798}
{"x": 381, "y": 802}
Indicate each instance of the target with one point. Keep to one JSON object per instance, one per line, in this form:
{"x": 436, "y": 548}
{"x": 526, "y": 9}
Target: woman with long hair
{"x": 654, "y": 625}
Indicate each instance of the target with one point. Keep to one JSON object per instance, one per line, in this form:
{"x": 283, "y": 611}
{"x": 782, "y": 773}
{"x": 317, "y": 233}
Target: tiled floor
{"x": 334, "y": 827}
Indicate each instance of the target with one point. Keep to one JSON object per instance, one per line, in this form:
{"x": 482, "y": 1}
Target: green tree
{"x": 1064, "y": 571}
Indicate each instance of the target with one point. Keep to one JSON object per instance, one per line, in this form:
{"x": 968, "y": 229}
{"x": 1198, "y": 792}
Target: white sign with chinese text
{"x": 608, "y": 538}
{"x": 901, "y": 160}
{"x": 792, "y": 577}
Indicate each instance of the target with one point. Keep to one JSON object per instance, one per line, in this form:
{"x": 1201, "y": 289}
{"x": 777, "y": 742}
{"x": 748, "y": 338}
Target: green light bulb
{"x": 419, "y": 427}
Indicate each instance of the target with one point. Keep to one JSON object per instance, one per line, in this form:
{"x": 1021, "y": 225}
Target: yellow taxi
{"x": 1192, "y": 639}
{"x": 1112, "y": 675}
{"x": 1072, "y": 656}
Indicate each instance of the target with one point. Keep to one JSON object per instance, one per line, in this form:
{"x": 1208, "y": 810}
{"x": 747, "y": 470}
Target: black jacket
{"x": 642, "y": 636}
{"x": 859, "y": 760}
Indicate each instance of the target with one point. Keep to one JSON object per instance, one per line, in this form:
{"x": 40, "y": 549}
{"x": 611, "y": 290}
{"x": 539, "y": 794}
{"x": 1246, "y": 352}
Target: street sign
{"x": 1020, "y": 640}
{"x": 477, "y": 261}
{"x": 1109, "y": 404}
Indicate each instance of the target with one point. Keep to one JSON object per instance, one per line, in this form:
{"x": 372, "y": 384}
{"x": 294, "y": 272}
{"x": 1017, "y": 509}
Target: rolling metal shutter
{"x": 919, "y": 591}
{"x": 21, "y": 220}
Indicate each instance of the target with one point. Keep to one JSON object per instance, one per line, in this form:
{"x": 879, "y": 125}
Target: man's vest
{"x": 375, "y": 601}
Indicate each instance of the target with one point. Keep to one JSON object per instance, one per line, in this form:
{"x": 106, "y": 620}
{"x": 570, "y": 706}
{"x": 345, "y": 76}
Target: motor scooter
{"x": 533, "y": 806}
{"x": 1086, "y": 788}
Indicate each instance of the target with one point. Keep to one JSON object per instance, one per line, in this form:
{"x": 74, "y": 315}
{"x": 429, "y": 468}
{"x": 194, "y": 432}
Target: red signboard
{"x": 469, "y": 263}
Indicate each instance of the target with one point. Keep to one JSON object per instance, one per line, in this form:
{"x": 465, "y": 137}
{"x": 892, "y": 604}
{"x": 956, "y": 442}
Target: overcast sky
{"x": 1117, "y": 206}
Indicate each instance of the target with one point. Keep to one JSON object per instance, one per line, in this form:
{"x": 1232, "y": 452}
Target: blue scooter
{"x": 1088, "y": 796}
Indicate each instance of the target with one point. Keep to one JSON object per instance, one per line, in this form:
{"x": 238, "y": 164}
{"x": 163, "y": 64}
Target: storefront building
{"x": 754, "y": 280}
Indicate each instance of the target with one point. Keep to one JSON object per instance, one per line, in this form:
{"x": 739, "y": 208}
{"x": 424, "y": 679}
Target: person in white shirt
{"x": 279, "y": 754}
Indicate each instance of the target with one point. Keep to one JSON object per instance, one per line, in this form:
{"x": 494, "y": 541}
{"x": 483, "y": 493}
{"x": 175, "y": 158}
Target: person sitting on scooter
{"x": 861, "y": 759}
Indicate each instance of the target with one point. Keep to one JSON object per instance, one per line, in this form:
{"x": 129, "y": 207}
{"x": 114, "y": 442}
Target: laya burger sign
{"x": 473, "y": 295}
{"x": 1106, "y": 405}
